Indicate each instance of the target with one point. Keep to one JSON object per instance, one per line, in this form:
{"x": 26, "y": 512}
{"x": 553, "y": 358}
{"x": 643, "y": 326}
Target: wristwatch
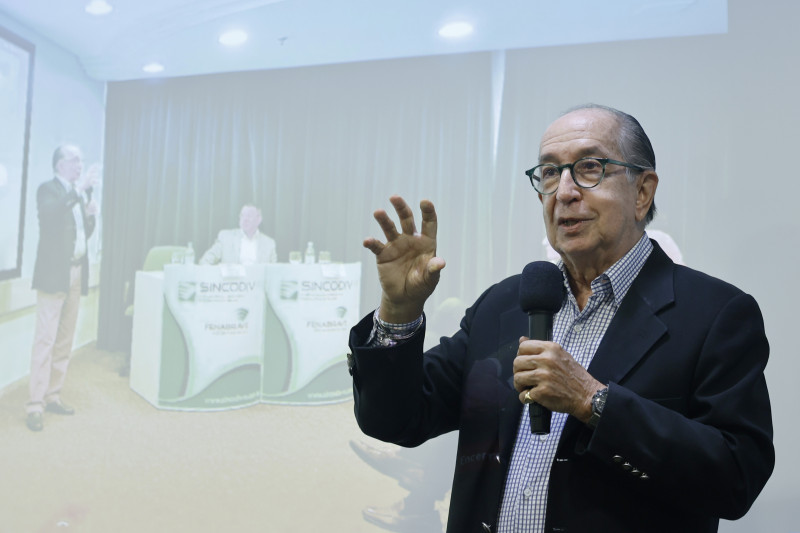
{"x": 598, "y": 403}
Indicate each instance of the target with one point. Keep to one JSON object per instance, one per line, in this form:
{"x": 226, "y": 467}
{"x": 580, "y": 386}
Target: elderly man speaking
{"x": 655, "y": 374}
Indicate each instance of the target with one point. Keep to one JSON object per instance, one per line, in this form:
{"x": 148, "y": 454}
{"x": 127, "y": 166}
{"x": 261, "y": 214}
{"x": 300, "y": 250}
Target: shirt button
{"x": 527, "y": 492}
{"x": 543, "y": 437}
{"x": 577, "y": 328}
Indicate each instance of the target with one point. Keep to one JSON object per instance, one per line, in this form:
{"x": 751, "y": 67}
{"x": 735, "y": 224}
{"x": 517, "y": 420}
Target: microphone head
{"x": 541, "y": 287}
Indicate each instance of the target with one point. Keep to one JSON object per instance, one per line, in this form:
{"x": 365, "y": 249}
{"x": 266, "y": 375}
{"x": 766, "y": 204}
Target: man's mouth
{"x": 569, "y": 222}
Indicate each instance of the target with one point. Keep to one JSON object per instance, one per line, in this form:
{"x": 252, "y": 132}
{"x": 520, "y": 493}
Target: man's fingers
{"x": 429, "y": 223}
{"x": 435, "y": 265}
{"x": 526, "y": 396}
{"x": 386, "y": 224}
{"x": 524, "y": 381}
{"x": 404, "y": 214}
{"x": 533, "y": 346}
{"x": 406, "y": 217}
{"x": 524, "y": 363}
{"x": 373, "y": 245}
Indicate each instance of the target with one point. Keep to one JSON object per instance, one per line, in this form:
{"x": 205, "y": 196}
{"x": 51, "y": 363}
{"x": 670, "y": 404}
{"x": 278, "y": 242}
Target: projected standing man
{"x": 245, "y": 245}
{"x": 655, "y": 376}
{"x": 60, "y": 275}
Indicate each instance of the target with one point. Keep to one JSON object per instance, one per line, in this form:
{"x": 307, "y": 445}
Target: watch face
{"x": 599, "y": 404}
{"x": 599, "y": 401}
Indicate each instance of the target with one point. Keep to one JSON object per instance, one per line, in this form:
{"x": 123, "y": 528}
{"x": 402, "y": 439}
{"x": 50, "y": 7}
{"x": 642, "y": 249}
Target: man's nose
{"x": 567, "y": 188}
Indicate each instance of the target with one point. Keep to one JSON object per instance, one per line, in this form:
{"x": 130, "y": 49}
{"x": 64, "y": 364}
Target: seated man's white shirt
{"x": 248, "y": 253}
{"x": 233, "y": 246}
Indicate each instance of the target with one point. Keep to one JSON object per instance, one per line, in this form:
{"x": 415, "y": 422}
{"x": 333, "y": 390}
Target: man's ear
{"x": 646, "y": 193}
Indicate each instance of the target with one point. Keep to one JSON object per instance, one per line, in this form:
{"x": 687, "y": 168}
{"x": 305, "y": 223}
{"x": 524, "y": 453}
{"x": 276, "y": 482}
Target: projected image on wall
{"x": 16, "y": 60}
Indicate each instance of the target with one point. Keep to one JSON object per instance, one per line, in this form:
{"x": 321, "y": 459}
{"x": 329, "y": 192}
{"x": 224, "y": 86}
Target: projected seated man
{"x": 245, "y": 245}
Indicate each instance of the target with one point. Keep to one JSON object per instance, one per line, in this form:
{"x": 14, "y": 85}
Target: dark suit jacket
{"x": 57, "y": 234}
{"x": 687, "y": 407}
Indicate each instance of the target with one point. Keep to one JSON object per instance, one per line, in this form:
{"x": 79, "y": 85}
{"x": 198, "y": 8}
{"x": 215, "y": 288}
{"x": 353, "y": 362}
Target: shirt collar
{"x": 67, "y": 185}
{"x": 622, "y": 273}
{"x": 245, "y": 237}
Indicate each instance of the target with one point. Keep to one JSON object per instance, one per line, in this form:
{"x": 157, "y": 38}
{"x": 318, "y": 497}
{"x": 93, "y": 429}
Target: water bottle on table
{"x": 310, "y": 256}
{"x": 188, "y": 259}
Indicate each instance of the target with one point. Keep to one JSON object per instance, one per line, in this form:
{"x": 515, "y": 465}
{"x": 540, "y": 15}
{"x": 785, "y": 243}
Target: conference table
{"x": 226, "y": 336}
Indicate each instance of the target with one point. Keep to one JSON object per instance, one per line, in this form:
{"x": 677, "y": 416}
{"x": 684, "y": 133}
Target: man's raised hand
{"x": 408, "y": 268}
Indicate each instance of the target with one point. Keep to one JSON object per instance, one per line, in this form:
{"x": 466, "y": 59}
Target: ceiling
{"x": 183, "y": 34}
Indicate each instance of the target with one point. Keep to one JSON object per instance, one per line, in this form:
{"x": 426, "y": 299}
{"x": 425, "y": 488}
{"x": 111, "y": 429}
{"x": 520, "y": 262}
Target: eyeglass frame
{"x": 602, "y": 160}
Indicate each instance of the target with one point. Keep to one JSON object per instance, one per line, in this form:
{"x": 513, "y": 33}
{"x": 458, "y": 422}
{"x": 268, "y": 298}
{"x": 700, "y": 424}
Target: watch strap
{"x": 598, "y": 404}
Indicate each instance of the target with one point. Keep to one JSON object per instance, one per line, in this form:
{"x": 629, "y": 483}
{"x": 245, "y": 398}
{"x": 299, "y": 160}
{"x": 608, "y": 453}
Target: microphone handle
{"x": 540, "y": 327}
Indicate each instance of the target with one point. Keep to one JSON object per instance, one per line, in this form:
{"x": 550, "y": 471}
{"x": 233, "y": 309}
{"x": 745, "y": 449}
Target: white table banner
{"x": 229, "y": 336}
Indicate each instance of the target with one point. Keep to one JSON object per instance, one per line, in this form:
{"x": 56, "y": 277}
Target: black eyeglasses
{"x": 586, "y": 172}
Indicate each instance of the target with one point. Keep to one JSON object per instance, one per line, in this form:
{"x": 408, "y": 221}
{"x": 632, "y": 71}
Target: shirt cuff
{"x": 385, "y": 335}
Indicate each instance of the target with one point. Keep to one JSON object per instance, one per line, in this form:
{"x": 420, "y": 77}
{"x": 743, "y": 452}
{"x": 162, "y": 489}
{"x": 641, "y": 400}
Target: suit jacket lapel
{"x": 636, "y": 327}
{"x": 63, "y": 193}
{"x": 633, "y": 331}
{"x": 513, "y": 324}
{"x": 82, "y": 204}
{"x": 58, "y": 188}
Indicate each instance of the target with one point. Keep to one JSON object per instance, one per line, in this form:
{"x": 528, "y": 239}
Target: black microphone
{"x": 541, "y": 292}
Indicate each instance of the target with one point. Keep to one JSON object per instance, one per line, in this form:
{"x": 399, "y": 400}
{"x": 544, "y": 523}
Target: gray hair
{"x": 245, "y": 206}
{"x": 62, "y": 152}
{"x": 633, "y": 145}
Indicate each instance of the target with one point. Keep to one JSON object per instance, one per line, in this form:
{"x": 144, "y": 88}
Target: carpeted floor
{"x": 120, "y": 465}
